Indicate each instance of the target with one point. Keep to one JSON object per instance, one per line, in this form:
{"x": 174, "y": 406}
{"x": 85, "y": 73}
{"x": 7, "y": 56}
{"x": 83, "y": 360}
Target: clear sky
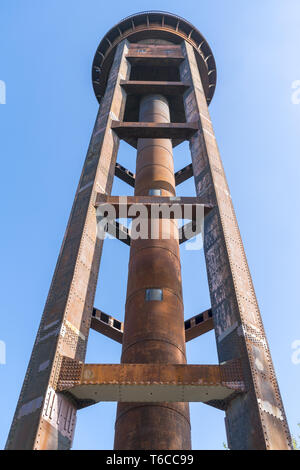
{"x": 46, "y": 50}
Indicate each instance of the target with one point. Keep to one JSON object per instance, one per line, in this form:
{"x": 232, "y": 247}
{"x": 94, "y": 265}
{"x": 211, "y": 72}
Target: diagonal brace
{"x": 112, "y": 328}
{"x": 184, "y": 174}
{"x": 125, "y": 175}
{"x": 107, "y": 325}
{"x": 198, "y": 325}
{"x": 128, "y": 177}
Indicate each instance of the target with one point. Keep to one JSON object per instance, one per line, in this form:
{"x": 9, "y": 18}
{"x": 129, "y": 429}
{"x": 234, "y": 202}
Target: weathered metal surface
{"x": 125, "y": 175}
{"x": 165, "y": 55}
{"x": 150, "y": 382}
{"x": 198, "y": 325}
{"x": 177, "y": 113}
{"x": 256, "y": 420}
{"x": 153, "y": 359}
{"x": 186, "y": 206}
{"x": 154, "y": 25}
{"x": 119, "y": 231}
{"x": 135, "y": 87}
{"x": 107, "y": 325}
{"x": 154, "y": 329}
{"x": 66, "y": 319}
{"x": 189, "y": 231}
{"x": 132, "y": 131}
{"x": 184, "y": 174}
{"x": 128, "y": 177}
{"x": 112, "y": 328}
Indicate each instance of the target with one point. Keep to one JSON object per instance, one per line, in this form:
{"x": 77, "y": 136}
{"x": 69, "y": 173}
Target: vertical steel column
{"x": 45, "y": 419}
{"x": 257, "y": 419}
{"x": 154, "y": 324}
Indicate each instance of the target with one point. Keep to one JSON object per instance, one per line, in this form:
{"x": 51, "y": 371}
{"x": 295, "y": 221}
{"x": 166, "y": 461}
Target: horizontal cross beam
{"x": 156, "y": 206}
{"x": 93, "y": 383}
{"x": 131, "y": 131}
{"x": 155, "y": 55}
{"x": 137, "y": 87}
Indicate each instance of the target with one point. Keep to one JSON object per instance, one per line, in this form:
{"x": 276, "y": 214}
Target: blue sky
{"x": 46, "y": 50}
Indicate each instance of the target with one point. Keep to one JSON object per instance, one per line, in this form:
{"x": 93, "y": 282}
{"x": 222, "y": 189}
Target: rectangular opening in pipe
{"x": 154, "y": 294}
{"x": 154, "y": 192}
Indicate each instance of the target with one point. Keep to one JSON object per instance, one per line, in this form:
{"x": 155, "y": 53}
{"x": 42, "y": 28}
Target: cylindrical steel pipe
{"x": 154, "y": 323}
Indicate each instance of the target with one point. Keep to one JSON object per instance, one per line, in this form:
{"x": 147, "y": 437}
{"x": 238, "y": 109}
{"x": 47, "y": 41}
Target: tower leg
{"x": 154, "y": 324}
{"x": 45, "y": 419}
{"x": 257, "y": 419}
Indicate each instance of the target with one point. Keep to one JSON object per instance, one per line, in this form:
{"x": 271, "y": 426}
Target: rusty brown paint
{"x": 65, "y": 322}
{"x": 193, "y": 327}
{"x": 184, "y": 174}
{"x": 144, "y": 87}
{"x": 91, "y": 383}
{"x": 163, "y": 25}
{"x": 244, "y": 385}
{"x": 256, "y": 420}
{"x": 197, "y": 328}
{"x": 154, "y": 330}
{"x": 125, "y": 175}
{"x": 155, "y": 55}
{"x": 178, "y": 205}
{"x": 131, "y": 131}
{"x": 107, "y": 327}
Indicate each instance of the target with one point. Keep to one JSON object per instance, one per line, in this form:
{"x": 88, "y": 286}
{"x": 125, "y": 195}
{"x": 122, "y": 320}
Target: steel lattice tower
{"x": 154, "y": 76}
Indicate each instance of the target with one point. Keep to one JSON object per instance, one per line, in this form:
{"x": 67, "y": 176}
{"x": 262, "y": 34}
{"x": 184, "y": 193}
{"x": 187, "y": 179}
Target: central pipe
{"x": 154, "y": 322}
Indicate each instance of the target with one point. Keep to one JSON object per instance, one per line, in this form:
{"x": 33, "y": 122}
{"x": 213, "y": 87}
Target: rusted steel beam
{"x": 125, "y": 175}
{"x": 198, "y": 325}
{"x": 154, "y": 322}
{"x": 134, "y": 87}
{"x": 188, "y": 231}
{"x": 44, "y": 420}
{"x": 92, "y": 383}
{"x": 184, "y": 174}
{"x": 149, "y": 60}
{"x": 123, "y": 203}
{"x": 153, "y": 130}
{"x": 128, "y": 177}
{"x": 119, "y": 231}
{"x": 155, "y": 55}
{"x": 257, "y": 420}
{"x": 107, "y": 325}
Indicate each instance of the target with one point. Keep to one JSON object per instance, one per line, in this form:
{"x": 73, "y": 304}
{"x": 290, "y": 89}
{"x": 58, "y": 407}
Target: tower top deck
{"x": 156, "y": 25}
